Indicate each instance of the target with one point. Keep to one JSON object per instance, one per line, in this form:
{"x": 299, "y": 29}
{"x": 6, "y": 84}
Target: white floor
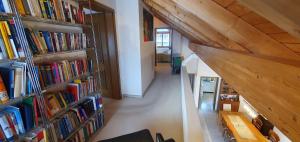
{"x": 158, "y": 111}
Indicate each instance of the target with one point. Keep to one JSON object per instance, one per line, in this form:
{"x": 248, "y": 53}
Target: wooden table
{"x": 243, "y": 130}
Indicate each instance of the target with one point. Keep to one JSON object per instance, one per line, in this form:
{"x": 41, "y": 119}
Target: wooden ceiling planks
{"x": 261, "y": 23}
{"x": 283, "y": 13}
{"x": 271, "y": 87}
{"x": 236, "y": 29}
{"x": 269, "y": 28}
{"x": 237, "y": 9}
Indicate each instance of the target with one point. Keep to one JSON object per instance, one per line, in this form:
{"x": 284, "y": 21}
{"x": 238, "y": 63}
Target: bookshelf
{"x": 47, "y": 38}
{"x": 228, "y": 96}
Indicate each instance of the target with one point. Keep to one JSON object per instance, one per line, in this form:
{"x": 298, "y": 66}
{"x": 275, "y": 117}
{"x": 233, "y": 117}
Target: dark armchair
{"x": 160, "y": 138}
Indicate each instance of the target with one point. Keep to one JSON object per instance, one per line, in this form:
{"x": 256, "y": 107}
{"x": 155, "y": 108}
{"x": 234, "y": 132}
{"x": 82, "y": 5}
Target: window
{"x": 163, "y": 38}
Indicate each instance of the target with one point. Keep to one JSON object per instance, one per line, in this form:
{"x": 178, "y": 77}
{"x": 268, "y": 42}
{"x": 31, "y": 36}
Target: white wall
{"x": 147, "y": 55}
{"x": 185, "y": 51}
{"x": 176, "y": 42}
{"x": 128, "y": 33}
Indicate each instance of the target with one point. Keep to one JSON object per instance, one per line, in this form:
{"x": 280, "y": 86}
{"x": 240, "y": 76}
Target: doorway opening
{"x": 208, "y": 93}
{"x": 163, "y": 45}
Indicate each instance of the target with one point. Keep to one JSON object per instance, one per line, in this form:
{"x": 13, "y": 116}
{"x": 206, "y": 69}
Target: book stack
{"x": 87, "y": 130}
{"x": 62, "y": 10}
{"x": 42, "y": 42}
{"x": 80, "y": 88}
{"x": 56, "y": 102}
{"x": 9, "y": 42}
{"x": 59, "y": 72}
{"x": 18, "y": 119}
{"x": 14, "y": 82}
{"x": 64, "y": 126}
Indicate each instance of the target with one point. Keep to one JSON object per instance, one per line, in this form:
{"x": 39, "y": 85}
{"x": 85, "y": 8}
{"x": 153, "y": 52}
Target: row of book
{"x": 62, "y": 10}
{"x": 42, "y": 42}
{"x": 62, "y": 127}
{"x": 14, "y": 82}
{"x": 58, "y": 72}
{"x": 58, "y": 101}
{"x": 10, "y": 47}
{"x": 90, "y": 128}
{"x": 19, "y": 119}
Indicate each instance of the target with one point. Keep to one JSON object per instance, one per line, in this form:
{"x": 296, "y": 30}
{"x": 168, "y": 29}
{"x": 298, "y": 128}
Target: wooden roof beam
{"x": 195, "y": 24}
{"x": 175, "y": 23}
{"x": 283, "y": 13}
{"x": 236, "y": 29}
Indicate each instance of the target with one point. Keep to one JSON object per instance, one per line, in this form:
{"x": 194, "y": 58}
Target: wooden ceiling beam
{"x": 176, "y": 23}
{"x": 236, "y": 29}
{"x": 283, "y": 13}
{"x": 271, "y": 87}
{"x": 195, "y": 24}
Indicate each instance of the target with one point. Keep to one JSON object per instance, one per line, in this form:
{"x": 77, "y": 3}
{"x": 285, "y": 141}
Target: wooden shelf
{"x": 15, "y": 100}
{"x": 62, "y": 86}
{"x": 54, "y": 22}
{"x": 82, "y": 125}
{"x": 59, "y": 56}
{"x": 6, "y": 15}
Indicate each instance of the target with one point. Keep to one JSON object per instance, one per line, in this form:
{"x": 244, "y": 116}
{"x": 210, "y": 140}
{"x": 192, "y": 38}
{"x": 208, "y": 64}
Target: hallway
{"x": 159, "y": 110}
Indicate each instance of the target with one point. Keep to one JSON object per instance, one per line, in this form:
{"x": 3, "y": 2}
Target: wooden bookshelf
{"x": 62, "y": 85}
{"x": 50, "y": 25}
{"x": 6, "y": 15}
{"x": 51, "y": 21}
{"x": 59, "y": 56}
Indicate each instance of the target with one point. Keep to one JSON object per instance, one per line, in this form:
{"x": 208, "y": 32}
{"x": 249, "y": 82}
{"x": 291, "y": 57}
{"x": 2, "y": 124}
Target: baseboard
{"x": 132, "y": 96}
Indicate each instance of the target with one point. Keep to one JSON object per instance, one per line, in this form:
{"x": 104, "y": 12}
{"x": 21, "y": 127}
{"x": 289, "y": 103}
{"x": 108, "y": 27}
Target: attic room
{"x": 150, "y": 70}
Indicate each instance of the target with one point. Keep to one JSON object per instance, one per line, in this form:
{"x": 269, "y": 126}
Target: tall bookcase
{"x": 45, "y": 129}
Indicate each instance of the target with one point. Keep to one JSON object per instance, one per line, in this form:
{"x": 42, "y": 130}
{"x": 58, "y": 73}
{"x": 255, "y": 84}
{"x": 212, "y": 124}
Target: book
{"x": 6, "y": 6}
{"x": 16, "y": 42}
{"x": 3, "y": 93}
{"x": 19, "y": 120}
{"x": 8, "y": 131}
{"x": 5, "y": 36}
{"x": 8, "y": 76}
{"x": 20, "y": 7}
{"x": 18, "y": 83}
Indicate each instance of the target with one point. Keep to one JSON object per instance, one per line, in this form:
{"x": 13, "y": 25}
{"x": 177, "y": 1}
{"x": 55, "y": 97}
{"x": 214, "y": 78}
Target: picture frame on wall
{"x": 148, "y": 25}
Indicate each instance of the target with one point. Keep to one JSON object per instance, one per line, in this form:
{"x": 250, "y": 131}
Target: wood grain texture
{"x": 59, "y": 56}
{"x": 271, "y": 87}
{"x": 236, "y": 29}
{"x": 283, "y": 13}
{"x": 238, "y": 9}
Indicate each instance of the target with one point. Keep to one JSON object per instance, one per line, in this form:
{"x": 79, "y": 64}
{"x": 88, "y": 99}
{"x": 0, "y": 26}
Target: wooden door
{"x": 105, "y": 35}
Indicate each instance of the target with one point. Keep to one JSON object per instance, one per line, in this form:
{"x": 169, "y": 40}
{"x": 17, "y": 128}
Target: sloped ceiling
{"x": 259, "y": 58}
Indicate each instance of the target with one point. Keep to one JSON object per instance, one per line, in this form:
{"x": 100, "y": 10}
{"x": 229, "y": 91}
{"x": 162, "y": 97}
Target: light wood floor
{"x": 158, "y": 111}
